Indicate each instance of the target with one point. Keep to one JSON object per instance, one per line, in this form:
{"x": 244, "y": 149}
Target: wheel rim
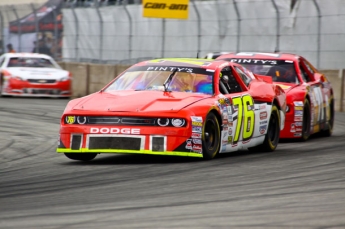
{"x": 210, "y": 134}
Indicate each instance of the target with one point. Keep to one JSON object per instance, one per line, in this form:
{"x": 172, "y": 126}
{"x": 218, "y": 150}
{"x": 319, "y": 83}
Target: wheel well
{"x": 219, "y": 119}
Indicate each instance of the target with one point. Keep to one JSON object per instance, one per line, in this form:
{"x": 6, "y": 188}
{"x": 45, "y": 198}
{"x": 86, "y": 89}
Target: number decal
{"x": 319, "y": 103}
{"x": 245, "y": 117}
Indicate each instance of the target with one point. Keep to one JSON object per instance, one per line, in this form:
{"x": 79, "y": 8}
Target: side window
{"x": 304, "y": 73}
{"x": 228, "y": 83}
{"x": 246, "y": 78}
{"x": 309, "y": 67}
{"x": 2, "y": 60}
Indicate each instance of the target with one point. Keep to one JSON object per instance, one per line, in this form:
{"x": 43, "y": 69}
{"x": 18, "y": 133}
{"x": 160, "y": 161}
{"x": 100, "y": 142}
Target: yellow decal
{"x": 177, "y": 9}
{"x": 70, "y": 119}
{"x": 245, "y": 116}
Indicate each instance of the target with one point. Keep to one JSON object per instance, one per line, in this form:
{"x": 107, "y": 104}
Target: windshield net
{"x": 185, "y": 80}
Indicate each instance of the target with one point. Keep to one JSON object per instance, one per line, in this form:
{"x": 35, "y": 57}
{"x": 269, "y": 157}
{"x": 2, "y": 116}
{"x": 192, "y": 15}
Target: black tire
{"x": 306, "y": 121}
{"x": 273, "y": 132}
{"x": 210, "y": 137}
{"x": 327, "y": 132}
{"x": 81, "y": 156}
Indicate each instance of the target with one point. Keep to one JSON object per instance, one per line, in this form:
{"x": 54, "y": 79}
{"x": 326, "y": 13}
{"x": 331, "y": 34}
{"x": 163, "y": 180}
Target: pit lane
{"x": 300, "y": 185}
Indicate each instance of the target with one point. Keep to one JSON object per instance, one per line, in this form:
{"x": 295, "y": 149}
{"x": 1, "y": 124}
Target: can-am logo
{"x": 105, "y": 130}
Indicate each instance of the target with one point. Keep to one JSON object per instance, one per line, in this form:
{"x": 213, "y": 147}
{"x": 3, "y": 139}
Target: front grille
{"x": 41, "y": 81}
{"x": 118, "y": 142}
{"x": 157, "y": 143}
{"x": 41, "y": 91}
{"x": 76, "y": 142}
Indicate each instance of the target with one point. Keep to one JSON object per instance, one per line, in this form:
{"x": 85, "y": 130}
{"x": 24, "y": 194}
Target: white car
{"x": 33, "y": 74}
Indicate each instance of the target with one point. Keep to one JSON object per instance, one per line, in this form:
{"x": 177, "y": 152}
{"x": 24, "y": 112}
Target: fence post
{"x": 318, "y": 32}
{"x": 130, "y": 30}
{"x": 76, "y": 33}
{"x": 100, "y": 32}
{"x": 277, "y": 48}
{"x": 238, "y": 25}
{"x": 19, "y": 29}
{"x": 2, "y": 32}
{"x": 199, "y": 26}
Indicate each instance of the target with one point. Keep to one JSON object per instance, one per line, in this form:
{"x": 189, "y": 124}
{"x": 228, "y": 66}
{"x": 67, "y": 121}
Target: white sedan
{"x": 33, "y": 74}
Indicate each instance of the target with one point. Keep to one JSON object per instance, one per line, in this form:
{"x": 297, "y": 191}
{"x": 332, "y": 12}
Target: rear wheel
{"x": 306, "y": 121}
{"x": 327, "y": 132}
{"x": 273, "y": 132}
{"x": 81, "y": 156}
{"x": 210, "y": 137}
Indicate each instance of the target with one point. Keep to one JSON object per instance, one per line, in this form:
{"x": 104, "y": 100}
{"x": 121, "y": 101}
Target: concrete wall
{"x": 90, "y": 78}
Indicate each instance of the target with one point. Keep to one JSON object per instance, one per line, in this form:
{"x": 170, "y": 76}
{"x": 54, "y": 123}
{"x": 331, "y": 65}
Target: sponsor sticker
{"x": 298, "y": 118}
{"x": 229, "y": 139}
{"x": 298, "y": 123}
{"x": 298, "y": 103}
{"x": 298, "y": 108}
{"x": 297, "y": 134}
{"x": 292, "y": 129}
{"x": 197, "y": 147}
{"x": 196, "y": 119}
{"x": 262, "y": 106}
{"x": 189, "y": 144}
{"x": 263, "y": 115}
{"x": 196, "y": 135}
{"x": 196, "y": 123}
{"x": 196, "y": 129}
{"x": 230, "y": 131}
{"x": 298, "y": 113}
{"x": 263, "y": 122}
{"x": 262, "y": 129}
{"x": 298, "y": 129}
{"x": 105, "y": 130}
{"x": 197, "y": 141}
{"x": 70, "y": 119}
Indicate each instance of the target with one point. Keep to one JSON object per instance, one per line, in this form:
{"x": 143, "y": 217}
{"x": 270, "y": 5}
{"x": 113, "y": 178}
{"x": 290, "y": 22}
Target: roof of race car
{"x": 184, "y": 62}
{"x": 261, "y": 55}
{"x": 27, "y": 54}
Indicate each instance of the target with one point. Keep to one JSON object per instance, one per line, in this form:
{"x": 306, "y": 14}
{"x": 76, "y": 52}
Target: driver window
{"x": 227, "y": 82}
{"x": 304, "y": 73}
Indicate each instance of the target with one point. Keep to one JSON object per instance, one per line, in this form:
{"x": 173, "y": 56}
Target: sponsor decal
{"x": 298, "y": 113}
{"x": 197, "y": 123}
{"x": 231, "y": 124}
{"x": 254, "y": 61}
{"x": 230, "y": 131}
{"x": 169, "y": 69}
{"x": 197, "y": 147}
{"x": 196, "y": 135}
{"x": 298, "y": 129}
{"x": 262, "y": 106}
{"x": 298, "y": 108}
{"x": 196, "y": 118}
{"x": 229, "y": 139}
{"x": 197, "y": 141}
{"x": 105, "y": 130}
{"x": 263, "y": 115}
{"x": 263, "y": 122}
{"x": 293, "y": 129}
{"x": 189, "y": 144}
{"x": 298, "y": 104}
{"x": 298, "y": 118}
{"x": 298, "y": 123}
{"x": 70, "y": 119}
{"x": 225, "y": 121}
{"x": 297, "y": 134}
{"x": 225, "y": 128}
{"x": 229, "y": 110}
{"x": 196, "y": 129}
{"x": 197, "y": 150}
{"x": 262, "y": 129}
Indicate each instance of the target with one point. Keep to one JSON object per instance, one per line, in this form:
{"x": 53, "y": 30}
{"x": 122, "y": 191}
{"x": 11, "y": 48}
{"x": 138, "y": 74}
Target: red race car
{"x": 310, "y": 101}
{"x": 179, "y": 107}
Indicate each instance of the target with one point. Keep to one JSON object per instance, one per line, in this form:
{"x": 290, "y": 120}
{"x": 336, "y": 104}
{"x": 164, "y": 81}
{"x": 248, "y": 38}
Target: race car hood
{"x": 138, "y": 101}
{"x": 37, "y": 73}
{"x": 286, "y": 86}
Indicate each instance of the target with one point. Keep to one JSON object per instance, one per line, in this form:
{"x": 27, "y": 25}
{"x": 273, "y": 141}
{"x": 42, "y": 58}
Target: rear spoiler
{"x": 267, "y": 79}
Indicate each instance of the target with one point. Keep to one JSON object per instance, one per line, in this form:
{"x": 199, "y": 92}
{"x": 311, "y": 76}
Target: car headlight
{"x": 177, "y": 122}
{"x": 64, "y": 79}
{"x": 163, "y": 121}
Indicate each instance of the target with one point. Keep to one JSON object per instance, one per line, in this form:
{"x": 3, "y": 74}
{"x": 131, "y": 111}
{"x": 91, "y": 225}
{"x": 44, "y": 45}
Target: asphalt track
{"x": 300, "y": 185}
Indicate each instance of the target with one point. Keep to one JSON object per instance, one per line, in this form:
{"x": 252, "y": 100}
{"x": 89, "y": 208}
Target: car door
{"x": 238, "y": 118}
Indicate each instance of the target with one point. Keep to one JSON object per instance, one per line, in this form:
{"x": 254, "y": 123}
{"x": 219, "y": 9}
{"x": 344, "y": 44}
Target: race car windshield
{"x": 154, "y": 81}
{"x": 279, "y": 70}
{"x": 30, "y": 62}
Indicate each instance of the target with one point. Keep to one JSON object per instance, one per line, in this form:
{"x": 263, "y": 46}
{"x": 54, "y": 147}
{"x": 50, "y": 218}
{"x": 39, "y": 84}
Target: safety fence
{"x": 117, "y": 33}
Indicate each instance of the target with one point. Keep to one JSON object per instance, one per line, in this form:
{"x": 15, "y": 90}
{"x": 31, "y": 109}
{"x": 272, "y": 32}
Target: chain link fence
{"x": 115, "y": 31}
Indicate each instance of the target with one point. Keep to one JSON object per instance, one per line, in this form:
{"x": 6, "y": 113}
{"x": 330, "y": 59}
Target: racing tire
{"x": 210, "y": 137}
{"x": 273, "y": 132}
{"x": 327, "y": 132}
{"x": 81, "y": 156}
{"x": 306, "y": 121}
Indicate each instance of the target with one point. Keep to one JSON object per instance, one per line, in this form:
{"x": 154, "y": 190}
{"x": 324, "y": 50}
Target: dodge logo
{"x": 105, "y": 130}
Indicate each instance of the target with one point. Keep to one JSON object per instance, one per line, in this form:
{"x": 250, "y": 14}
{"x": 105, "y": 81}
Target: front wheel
{"x": 273, "y": 132}
{"x": 81, "y": 156}
{"x": 306, "y": 121}
{"x": 210, "y": 137}
{"x": 330, "y": 122}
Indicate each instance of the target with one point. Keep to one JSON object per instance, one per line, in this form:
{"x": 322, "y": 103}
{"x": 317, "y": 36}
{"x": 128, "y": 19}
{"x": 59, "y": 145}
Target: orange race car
{"x": 309, "y": 95}
{"x": 180, "y": 107}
